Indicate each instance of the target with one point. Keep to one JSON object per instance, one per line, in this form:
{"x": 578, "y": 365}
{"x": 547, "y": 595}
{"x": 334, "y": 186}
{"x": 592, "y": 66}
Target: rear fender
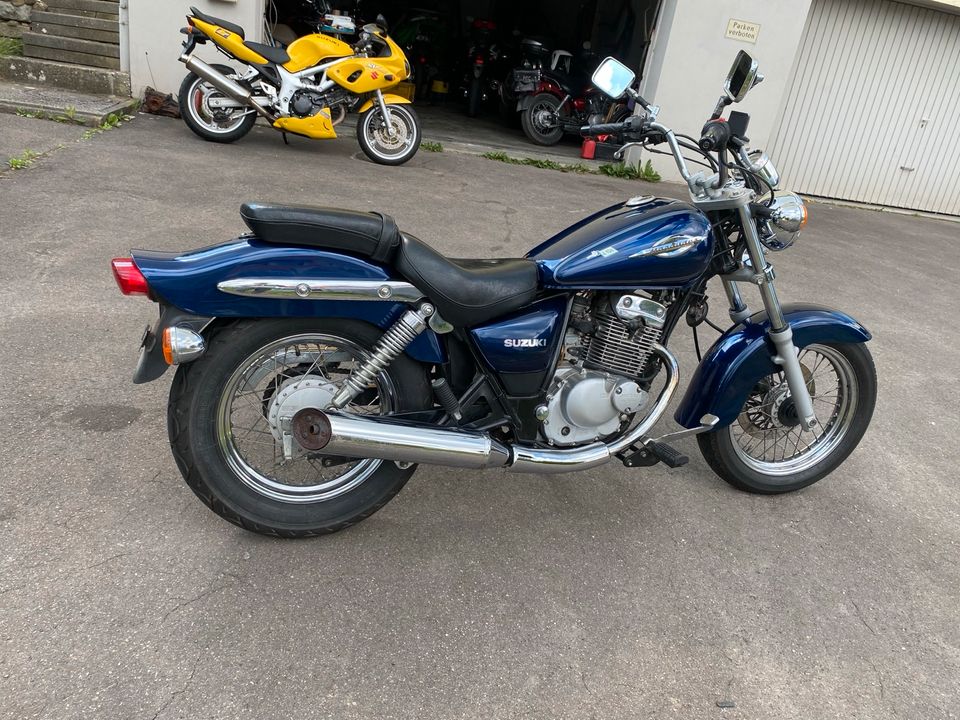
{"x": 743, "y": 355}
{"x": 187, "y": 282}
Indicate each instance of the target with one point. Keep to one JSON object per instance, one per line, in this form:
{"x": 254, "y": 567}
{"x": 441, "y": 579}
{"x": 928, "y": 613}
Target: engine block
{"x": 611, "y": 348}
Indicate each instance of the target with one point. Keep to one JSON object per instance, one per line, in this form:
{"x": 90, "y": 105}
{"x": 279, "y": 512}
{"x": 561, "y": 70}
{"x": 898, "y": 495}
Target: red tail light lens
{"x": 128, "y": 276}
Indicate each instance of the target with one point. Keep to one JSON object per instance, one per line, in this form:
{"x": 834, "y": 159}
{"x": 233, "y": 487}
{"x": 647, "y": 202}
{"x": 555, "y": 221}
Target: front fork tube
{"x": 391, "y": 131}
{"x": 780, "y": 333}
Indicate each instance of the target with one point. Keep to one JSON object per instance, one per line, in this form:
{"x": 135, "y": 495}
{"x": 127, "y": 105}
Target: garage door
{"x": 873, "y": 114}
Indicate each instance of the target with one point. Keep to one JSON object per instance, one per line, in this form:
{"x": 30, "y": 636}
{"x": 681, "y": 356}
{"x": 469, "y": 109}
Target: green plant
{"x": 10, "y": 46}
{"x": 23, "y": 112}
{"x": 631, "y": 172}
{"x": 69, "y": 115}
{"x": 23, "y": 160}
{"x": 111, "y": 121}
{"x": 431, "y": 146}
{"x": 543, "y": 164}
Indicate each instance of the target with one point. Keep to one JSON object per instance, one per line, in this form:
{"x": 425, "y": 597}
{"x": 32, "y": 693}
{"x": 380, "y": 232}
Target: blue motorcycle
{"x": 324, "y": 355}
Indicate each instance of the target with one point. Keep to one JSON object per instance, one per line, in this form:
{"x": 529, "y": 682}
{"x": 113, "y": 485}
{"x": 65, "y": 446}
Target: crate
{"x": 404, "y": 90}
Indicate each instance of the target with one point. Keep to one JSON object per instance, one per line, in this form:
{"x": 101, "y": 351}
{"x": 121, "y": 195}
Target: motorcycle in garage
{"x": 322, "y": 357}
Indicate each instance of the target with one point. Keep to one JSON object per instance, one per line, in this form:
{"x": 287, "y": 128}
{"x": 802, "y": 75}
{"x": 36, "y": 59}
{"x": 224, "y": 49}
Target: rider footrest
{"x": 669, "y": 456}
{"x": 652, "y": 453}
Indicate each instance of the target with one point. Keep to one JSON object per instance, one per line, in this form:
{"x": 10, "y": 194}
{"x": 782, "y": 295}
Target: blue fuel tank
{"x": 656, "y": 243}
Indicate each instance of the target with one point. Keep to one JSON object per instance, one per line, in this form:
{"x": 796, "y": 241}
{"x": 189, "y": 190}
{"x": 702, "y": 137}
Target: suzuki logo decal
{"x": 525, "y": 342}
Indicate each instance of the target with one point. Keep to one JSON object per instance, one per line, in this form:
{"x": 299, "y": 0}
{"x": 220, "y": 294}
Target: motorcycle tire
{"x": 731, "y": 451}
{"x": 206, "y": 448}
{"x": 380, "y": 147}
{"x": 475, "y": 97}
{"x": 533, "y": 127}
{"x": 206, "y": 127}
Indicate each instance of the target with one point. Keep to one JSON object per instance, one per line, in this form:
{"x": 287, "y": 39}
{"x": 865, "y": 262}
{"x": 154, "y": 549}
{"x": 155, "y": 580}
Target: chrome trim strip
{"x": 671, "y": 246}
{"x": 294, "y": 289}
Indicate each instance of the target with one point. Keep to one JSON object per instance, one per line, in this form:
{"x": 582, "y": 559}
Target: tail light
{"x": 128, "y": 276}
{"x": 478, "y": 60}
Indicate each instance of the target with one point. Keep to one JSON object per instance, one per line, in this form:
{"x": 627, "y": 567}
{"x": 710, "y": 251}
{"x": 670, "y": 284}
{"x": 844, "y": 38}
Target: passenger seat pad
{"x": 371, "y": 235}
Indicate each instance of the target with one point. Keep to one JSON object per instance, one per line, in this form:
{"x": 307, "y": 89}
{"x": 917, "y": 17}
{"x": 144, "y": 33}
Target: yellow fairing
{"x": 388, "y": 99}
{"x": 231, "y": 42}
{"x": 317, "y": 126}
{"x": 310, "y": 50}
{"x": 362, "y": 75}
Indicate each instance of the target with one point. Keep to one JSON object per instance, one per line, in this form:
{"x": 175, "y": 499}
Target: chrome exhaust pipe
{"x": 386, "y": 439}
{"x": 379, "y": 437}
{"x": 225, "y": 84}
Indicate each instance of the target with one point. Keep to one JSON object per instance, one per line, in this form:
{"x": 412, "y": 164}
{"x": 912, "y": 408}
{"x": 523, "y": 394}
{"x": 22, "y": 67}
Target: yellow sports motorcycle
{"x": 306, "y": 88}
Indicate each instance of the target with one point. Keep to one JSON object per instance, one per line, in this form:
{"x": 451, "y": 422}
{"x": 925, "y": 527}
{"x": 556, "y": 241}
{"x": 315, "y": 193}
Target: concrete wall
{"x": 690, "y": 57}
{"x": 154, "y": 37}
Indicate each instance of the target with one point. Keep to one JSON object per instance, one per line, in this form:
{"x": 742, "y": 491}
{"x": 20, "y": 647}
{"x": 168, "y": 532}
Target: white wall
{"x": 155, "y": 38}
{"x": 690, "y": 57}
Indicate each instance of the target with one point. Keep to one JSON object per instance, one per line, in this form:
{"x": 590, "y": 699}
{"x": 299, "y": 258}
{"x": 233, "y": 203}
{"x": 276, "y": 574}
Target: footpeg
{"x": 653, "y": 452}
{"x": 444, "y": 393}
{"x": 671, "y": 457}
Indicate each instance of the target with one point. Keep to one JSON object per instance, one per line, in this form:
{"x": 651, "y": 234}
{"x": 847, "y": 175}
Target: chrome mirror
{"x": 612, "y": 77}
{"x": 742, "y": 77}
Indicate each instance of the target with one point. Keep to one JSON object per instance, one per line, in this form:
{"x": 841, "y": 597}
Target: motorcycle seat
{"x": 467, "y": 292}
{"x": 370, "y": 235}
{"x": 225, "y": 24}
{"x": 272, "y": 53}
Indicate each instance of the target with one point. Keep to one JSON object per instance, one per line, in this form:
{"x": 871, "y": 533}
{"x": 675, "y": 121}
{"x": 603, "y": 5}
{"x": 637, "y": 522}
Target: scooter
{"x": 324, "y": 355}
{"x": 299, "y": 88}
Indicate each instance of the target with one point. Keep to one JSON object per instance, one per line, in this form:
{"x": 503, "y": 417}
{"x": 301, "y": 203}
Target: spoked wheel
{"x": 541, "y": 120}
{"x": 767, "y": 450}
{"x": 230, "y": 425}
{"x": 384, "y": 147}
{"x": 199, "y": 112}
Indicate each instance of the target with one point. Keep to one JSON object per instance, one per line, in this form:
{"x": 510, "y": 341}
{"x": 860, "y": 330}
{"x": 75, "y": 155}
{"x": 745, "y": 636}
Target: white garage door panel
{"x": 873, "y": 114}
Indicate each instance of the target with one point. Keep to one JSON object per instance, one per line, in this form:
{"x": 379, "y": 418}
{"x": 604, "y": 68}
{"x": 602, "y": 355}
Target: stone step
{"x": 75, "y": 26}
{"x": 71, "y": 50}
{"x": 62, "y": 105}
{"x": 87, "y": 8}
{"x": 41, "y": 72}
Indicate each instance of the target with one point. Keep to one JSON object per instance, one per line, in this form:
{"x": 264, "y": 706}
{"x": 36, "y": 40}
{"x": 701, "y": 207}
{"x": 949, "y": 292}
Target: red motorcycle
{"x": 554, "y": 96}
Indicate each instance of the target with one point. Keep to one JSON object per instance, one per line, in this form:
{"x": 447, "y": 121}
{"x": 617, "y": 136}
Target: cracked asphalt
{"x": 614, "y": 593}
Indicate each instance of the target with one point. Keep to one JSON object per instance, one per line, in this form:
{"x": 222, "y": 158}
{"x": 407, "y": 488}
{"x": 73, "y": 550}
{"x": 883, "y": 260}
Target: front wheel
{"x": 766, "y": 450}
{"x": 228, "y": 421}
{"x": 384, "y": 147}
{"x": 223, "y": 125}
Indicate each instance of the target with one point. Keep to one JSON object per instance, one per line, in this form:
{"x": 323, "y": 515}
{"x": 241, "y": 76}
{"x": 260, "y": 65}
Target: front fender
{"x": 742, "y": 356}
{"x": 389, "y": 99}
{"x": 188, "y": 282}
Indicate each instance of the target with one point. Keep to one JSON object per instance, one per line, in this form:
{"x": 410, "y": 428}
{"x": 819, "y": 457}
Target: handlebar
{"x": 714, "y": 136}
{"x": 631, "y": 124}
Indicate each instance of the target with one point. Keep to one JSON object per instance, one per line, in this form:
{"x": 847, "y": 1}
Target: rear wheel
{"x": 475, "y": 97}
{"x": 541, "y": 120}
{"x": 766, "y": 450}
{"x": 384, "y": 147}
{"x": 223, "y": 125}
{"x": 225, "y": 421}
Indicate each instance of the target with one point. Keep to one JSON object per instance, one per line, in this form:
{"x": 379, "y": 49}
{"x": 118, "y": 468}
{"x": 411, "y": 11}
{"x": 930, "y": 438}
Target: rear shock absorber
{"x": 394, "y": 341}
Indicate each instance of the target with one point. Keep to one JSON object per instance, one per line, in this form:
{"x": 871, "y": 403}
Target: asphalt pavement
{"x": 613, "y": 593}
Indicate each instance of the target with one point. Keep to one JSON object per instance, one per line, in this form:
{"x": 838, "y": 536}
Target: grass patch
{"x": 10, "y": 46}
{"x": 69, "y": 115}
{"x": 23, "y": 112}
{"x": 113, "y": 120}
{"x": 501, "y": 156}
{"x": 631, "y": 172}
{"x": 431, "y": 146}
{"x": 23, "y": 160}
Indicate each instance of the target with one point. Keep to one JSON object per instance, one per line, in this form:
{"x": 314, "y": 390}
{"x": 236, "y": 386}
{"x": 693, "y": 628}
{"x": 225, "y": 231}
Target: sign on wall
{"x": 742, "y": 30}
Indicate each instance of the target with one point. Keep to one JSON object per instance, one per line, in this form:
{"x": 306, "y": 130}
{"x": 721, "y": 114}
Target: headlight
{"x": 788, "y": 215}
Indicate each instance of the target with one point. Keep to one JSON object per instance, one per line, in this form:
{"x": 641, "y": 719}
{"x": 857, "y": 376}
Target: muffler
{"x": 388, "y": 439}
{"x": 225, "y": 84}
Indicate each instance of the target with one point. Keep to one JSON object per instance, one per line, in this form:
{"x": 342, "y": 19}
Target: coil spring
{"x": 393, "y": 342}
